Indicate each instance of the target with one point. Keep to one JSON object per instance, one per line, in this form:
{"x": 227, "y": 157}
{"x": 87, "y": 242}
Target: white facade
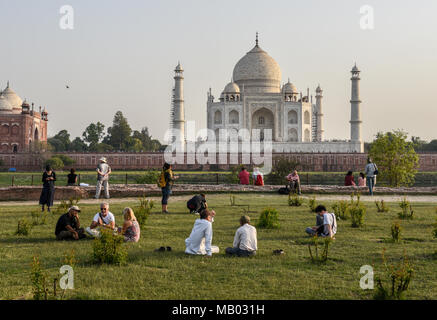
{"x": 255, "y": 99}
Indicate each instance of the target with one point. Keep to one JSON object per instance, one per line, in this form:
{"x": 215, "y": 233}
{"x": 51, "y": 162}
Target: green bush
{"x": 142, "y": 212}
{"x": 341, "y": 209}
{"x": 66, "y": 159}
{"x": 312, "y": 204}
{"x": 24, "y": 227}
{"x": 323, "y": 257}
{"x": 109, "y": 248}
{"x": 357, "y": 212}
{"x": 381, "y": 206}
{"x": 148, "y": 177}
{"x": 294, "y": 200}
{"x": 38, "y": 217}
{"x": 268, "y": 219}
{"x": 398, "y": 280}
{"x": 407, "y": 211}
{"x": 38, "y": 277}
{"x": 396, "y": 231}
{"x": 55, "y": 162}
{"x": 65, "y": 205}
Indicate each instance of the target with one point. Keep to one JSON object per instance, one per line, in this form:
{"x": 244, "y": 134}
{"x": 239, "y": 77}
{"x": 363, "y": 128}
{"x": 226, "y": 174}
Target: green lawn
{"x": 174, "y": 275}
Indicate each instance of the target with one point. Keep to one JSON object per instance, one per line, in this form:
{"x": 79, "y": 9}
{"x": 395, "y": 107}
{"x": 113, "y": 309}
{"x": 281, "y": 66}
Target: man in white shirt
{"x": 102, "y": 219}
{"x": 329, "y": 227}
{"x": 103, "y": 172}
{"x": 199, "y": 241}
{"x": 245, "y": 242}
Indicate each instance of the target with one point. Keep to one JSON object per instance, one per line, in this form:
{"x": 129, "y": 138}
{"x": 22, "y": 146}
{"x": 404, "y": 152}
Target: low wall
{"x": 123, "y": 191}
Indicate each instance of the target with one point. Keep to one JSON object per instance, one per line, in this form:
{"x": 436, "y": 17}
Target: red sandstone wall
{"x": 328, "y": 162}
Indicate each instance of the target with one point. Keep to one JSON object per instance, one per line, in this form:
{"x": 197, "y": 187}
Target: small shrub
{"x": 381, "y": 206}
{"x": 357, "y": 211}
{"x": 149, "y": 177}
{"x": 38, "y": 218}
{"x": 70, "y": 258}
{"x": 65, "y": 205}
{"x": 396, "y": 231}
{"x": 109, "y": 248}
{"x": 312, "y": 204}
{"x": 294, "y": 200}
{"x": 268, "y": 219}
{"x": 142, "y": 212}
{"x": 38, "y": 277}
{"x": 398, "y": 280}
{"x": 341, "y": 209}
{"x": 323, "y": 257}
{"x": 24, "y": 227}
{"x": 232, "y": 200}
{"x": 407, "y": 210}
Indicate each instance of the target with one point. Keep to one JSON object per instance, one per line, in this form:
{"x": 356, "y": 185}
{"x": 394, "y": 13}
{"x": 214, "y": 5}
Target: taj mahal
{"x": 256, "y": 99}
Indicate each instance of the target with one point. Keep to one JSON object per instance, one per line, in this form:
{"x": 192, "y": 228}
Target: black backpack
{"x": 284, "y": 190}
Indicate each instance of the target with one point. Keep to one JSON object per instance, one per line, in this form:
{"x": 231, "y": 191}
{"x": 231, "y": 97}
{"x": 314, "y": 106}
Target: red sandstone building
{"x": 20, "y": 124}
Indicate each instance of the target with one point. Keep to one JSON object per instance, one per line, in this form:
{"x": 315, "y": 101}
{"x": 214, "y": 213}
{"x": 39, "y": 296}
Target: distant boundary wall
{"x": 317, "y": 162}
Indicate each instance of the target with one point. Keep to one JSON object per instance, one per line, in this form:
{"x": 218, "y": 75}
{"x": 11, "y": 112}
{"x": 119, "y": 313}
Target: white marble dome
{"x": 258, "y": 71}
{"x": 289, "y": 88}
{"x": 12, "y": 97}
{"x": 232, "y": 87}
{"x": 5, "y": 106}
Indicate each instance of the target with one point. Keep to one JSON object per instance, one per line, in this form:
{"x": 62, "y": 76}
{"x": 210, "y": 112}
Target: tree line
{"x": 118, "y": 137}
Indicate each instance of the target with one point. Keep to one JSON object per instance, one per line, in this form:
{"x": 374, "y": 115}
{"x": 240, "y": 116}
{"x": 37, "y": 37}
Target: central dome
{"x": 258, "y": 72}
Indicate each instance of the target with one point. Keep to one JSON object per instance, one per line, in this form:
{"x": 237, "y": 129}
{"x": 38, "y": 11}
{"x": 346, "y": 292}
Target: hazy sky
{"x": 121, "y": 56}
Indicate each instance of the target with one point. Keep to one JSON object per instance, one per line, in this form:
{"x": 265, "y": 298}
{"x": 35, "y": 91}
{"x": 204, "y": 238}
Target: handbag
{"x": 376, "y": 172}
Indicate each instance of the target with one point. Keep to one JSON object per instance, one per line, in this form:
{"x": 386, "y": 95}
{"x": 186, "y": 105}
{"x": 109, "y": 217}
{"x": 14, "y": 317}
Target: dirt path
{"x": 386, "y": 198}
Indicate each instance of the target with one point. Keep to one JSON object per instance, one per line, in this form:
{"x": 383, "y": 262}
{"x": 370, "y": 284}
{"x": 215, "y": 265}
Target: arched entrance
{"x": 263, "y": 119}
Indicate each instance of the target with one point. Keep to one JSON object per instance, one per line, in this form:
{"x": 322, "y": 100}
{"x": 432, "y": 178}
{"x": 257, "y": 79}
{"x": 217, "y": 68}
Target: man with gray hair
{"x": 245, "y": 242}
{"x": 102, "y": 219}
{"x": 103, "y": 172}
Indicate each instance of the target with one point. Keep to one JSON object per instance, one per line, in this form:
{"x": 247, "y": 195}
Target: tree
{"x": 149, "y": 144}
{"x": 55, "y": 163}
{"x": 395, "y": 157}
{"x": 93, "y": 134}
{"x": 61, "y": 141}
{"x": 78, "y": 145}
{"x": 65, "y": 159}
{"x": 119, "y": 133}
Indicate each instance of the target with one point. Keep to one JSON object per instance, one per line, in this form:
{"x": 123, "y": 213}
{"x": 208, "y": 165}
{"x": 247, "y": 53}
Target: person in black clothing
{"x": 48, "y": 190}
{"x": 197, "y": 203}
{"x": 68, "y": 226}
{"x": 72, "y": 178}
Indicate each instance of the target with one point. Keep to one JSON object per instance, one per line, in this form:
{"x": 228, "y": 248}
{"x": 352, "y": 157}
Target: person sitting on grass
{"x": 102, "y": 219}
{"x": 200, "y": 239}
{"x": 131, "y": 228}
{"x": 68, "y": 226}
{"x": 329, "y": 226}
{"x": 197, "y": 203}
{"x": 245, "y": 242}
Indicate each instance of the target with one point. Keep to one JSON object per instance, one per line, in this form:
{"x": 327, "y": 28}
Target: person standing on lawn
{"x": 165, "y": 182}
{"x": 371, "y": 171}
{"x": 48, "y": 189}
{"x": 103, "y": 172}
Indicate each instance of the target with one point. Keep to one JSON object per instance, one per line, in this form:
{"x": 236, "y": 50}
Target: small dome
{"x": 289, "y": 88}
{"x": 355, "y": 68}
{"x": 12, "y": 97}
{"x": 318, "y": 89}
{"x": 5, "y": 106}
{"x": 232, "y": 87}
{"x": 179, "y": 67}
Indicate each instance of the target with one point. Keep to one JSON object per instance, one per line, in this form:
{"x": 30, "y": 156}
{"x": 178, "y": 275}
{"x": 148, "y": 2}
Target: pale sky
{"x": 121, "y": 56}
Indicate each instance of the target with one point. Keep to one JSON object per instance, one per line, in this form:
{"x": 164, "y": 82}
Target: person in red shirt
{"x": 349, "y": 179}
{"x": 244, "y": 176}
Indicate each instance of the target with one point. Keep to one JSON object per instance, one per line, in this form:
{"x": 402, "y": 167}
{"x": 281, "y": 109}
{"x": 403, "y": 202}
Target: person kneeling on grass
{"x": 102, "y": 219}
{"x": 197, "y": 203}
{"x": 245, "y": 243}
{"x": 329, "y": 226}
{"x": 200, "y": 239}
{"x": 68, "y": 226}
{"x": 131, "y": 228}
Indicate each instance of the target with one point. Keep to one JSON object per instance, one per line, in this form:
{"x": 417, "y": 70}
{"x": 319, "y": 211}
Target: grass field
{"x": 174, "y": 275}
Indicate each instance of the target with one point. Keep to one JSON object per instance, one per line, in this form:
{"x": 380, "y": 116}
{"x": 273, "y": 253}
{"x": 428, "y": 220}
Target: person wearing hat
{"x": 245, "y": 242}
{"x": 68, "y": 226}
{"x": 103, "y": 172}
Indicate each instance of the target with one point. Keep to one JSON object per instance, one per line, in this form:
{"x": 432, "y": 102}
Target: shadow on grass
{"x": 20, "y": 239}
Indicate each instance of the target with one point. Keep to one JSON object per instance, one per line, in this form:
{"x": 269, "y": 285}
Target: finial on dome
{"x": 256, "y": 41}
{"x": 7, "y": 86}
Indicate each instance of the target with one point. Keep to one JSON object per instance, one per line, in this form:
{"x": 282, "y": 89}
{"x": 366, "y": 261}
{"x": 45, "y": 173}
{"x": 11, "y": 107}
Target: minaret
{"x": 319, "y": 114}
{"x": 178, "y": 104}
{"x": 355, "y": 106}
